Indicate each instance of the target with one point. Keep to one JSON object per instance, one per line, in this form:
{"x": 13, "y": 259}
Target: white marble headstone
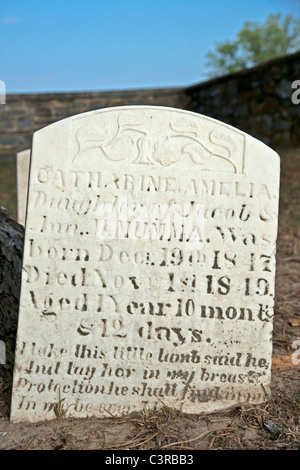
{"x": 22, "y": 169}
{"x": 149, "y": 266}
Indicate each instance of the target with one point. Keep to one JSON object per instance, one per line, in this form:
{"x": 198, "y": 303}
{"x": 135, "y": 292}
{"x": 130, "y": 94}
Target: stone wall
{"x": 257, "y": 101}
{"x": 24, "y": 114}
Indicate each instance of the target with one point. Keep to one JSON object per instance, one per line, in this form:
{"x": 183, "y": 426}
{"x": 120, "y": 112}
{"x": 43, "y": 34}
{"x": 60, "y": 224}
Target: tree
{"x": 255, "y": 44}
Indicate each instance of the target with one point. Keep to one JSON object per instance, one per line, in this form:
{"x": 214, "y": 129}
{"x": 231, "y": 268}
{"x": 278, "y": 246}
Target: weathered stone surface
{"x": 149, "y": 266}
{"x": 22, "y": 167}
{"x": 11, "y": 253}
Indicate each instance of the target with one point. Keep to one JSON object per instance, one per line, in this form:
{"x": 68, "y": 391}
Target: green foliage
{"x": 58, "y": 410}
{"x": 255, "y": 44}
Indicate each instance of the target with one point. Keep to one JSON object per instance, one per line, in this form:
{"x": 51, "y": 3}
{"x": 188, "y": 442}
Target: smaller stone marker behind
{"x": 22, "y": 169}
{"x": 149, "y": 266}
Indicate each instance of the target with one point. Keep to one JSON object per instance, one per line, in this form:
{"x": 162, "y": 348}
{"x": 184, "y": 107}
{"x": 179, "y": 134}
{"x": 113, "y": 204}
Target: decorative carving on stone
{"x": 134, "y": 139}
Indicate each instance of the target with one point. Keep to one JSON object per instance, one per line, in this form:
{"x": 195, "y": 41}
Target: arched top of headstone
{"x": 153, "y": 136}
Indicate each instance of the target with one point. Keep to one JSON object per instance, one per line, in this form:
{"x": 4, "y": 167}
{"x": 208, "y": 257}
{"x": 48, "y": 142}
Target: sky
{"x": 95, "y": 45}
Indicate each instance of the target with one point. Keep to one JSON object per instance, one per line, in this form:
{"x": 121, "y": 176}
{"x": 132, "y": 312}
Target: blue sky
{"x": 82, "y": 45}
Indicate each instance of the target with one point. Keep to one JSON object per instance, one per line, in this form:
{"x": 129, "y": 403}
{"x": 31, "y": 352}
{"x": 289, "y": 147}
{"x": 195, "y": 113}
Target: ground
{"x": 275, "y": 425}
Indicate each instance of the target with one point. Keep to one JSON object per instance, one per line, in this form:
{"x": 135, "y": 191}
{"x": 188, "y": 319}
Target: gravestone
{"x": 149, "y": 266}
{"x": 2, "y": 352}
{"x": 22, "y": 168}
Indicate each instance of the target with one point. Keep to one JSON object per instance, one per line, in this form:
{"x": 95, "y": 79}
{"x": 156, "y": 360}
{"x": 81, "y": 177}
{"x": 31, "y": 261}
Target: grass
{"x": 150, "y": 415}
{"x": 295, "y": 397}
{"x": 58, "y": 409}
{"x": 265, "y": 392}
